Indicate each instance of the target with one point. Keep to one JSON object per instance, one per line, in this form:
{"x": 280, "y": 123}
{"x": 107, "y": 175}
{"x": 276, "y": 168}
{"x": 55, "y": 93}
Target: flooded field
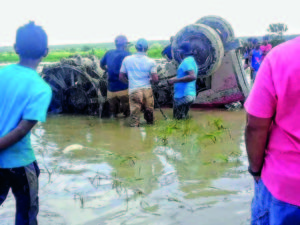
{"x": 101, "y": 172}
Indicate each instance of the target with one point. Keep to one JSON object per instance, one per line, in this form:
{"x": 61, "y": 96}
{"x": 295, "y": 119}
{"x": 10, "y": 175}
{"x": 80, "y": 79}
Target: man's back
{"x": 22, "y": 94}
{"x": 113, "y": 59}
{"x": 276, "y": 93}
{"x": 138, "y": 68}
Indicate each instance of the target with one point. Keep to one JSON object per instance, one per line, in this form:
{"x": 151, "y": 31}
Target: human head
{"x": 255, "y": 43}
{"x": 185, "y": 50}
{"x": 266, "y": 39}
{"x": 121, "y": 42}
{"x": 31, "y": 42}
{"x": 142, "y": 45}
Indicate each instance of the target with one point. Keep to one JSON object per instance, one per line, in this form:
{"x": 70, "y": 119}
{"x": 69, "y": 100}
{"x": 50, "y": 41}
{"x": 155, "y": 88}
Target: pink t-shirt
{"x": 276, "y": 93}
{"x": 265, "y": 49}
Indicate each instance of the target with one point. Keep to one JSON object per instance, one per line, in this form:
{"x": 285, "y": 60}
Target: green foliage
{"x": 212, "y": 132}
{"x": 55, "y": 56}
{"x": 278, "y": 28}
{"x": 86, "y": 48}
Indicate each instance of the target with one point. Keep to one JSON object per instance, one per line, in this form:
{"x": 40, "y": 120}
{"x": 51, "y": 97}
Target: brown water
{"x": 120, "y": 175}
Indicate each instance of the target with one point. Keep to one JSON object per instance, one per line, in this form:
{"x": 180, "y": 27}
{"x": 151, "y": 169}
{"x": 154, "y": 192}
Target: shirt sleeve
{"x": 262, "y": 100}
{"x": 188, "y": 65}
{"x": 37, "y": 106}
{"x": 123, "y": 67}
{"x": 153, "y": 67}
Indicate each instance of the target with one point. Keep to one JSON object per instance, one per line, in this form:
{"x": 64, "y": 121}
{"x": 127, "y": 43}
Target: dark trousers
{"x": 24, "y": 184}
{"x": 181, "y": 107}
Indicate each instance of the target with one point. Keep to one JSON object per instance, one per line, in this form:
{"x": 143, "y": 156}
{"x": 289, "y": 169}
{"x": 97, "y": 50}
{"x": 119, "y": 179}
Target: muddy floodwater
{"x": 97, "y": 171}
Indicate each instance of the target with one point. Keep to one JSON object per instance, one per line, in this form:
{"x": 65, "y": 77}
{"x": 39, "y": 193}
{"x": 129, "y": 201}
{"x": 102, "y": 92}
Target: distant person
{"x": 184, "y": 83}
{"x": 273, "y": 137}
{"x": 265, "y": 47}
{"x": 248, "y": 49}
{"x": 25, "y": 98}
{"x": 117, "y": 94}
{"x": 138, "y": 70}
{"x": 255, "y": 59}
{"x": 167, "y": 52}
{"x": 246, "y": 56}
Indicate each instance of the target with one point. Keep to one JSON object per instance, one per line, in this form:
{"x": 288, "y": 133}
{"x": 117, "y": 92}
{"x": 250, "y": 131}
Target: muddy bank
{"x": 102, "y": 172}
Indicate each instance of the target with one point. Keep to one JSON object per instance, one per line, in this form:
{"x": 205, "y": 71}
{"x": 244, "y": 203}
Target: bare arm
{"x": 17, "y": 134}
{"x": 188, "y": 78}
{"x": 256, "y": 135}
{"x": 123, "y": 78}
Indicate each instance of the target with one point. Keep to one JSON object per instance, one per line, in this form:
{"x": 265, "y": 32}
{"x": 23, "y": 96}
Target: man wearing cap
{"x": 24, "y": 101}
{"x": 117, "y": 94}
{"x": 184, "y": 82}
{"x": 138, "y": 70}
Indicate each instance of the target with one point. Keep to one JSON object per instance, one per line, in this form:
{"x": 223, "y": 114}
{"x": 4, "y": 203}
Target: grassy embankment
{"x": 56, "y": 55}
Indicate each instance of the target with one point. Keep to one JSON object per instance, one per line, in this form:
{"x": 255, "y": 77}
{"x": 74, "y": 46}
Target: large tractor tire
{"x": 74, "y": 91}
{"x": 220, "y": 25}
{"x": 207, "y": 47}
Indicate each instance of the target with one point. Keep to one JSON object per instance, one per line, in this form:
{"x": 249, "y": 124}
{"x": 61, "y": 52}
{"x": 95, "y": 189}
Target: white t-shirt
{"x": 138, "y": 68}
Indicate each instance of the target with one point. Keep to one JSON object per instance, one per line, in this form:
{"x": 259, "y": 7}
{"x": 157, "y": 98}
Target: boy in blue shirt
{"x": 24, "y": 100}
{"x": 184, "y": 83}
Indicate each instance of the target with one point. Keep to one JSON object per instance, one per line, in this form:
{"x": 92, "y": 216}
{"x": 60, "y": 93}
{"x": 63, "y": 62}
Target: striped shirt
{"x": 138, "y": 68}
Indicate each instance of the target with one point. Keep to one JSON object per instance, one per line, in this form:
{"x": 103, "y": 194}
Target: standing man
{"x": 117, "y": 94}
{"x": 265, "y": 47}
{"x": 273, "y": 137}
{"x": 255, "y": 59}
{"x": 138, "y": 70}
{"x": 167, "y": 52}
{"x": 184, "y": 83}
{"x": 25, "y": 98}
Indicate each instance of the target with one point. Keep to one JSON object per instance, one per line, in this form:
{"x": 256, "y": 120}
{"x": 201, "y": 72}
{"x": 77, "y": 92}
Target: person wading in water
{"x": 184, "y": 83}
{"x": 138, "y": 70}
{"x": 117, "y": 94}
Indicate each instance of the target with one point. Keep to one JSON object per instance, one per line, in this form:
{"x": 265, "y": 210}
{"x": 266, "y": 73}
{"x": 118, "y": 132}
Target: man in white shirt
{"x": 138, "y": 70}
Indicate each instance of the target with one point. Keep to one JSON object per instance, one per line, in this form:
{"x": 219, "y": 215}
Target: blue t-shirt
{"x": 113, "y": 60}
{"x": 168, "y": 52}
{"x": 24, "y": 95}
{"x": 256, "y": 59}
{"x": 186, "y": 88}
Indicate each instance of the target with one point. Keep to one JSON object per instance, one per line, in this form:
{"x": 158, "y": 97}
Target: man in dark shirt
{"x": 167, "y": 52}
{"x": 117, "y": 94}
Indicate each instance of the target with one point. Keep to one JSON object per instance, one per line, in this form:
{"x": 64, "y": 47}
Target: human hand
{"x": 171, "y": 81}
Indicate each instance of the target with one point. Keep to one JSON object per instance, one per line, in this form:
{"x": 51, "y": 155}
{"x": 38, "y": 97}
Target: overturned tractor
{"x": 79, "y": 85}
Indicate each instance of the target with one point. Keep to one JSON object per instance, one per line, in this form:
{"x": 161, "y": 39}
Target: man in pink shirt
{"x": 265, "y": 47}
{"x": 273, "y": 137}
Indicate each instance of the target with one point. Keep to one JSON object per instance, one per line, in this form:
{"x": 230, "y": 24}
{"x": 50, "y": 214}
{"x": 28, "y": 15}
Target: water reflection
{"x": 120, "y": 174}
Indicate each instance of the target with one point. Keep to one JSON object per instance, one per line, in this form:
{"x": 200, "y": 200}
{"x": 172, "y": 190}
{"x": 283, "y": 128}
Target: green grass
{"x": 55, "y": 55}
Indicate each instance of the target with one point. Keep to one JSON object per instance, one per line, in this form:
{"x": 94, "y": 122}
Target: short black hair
{"x": 31, "y": 41}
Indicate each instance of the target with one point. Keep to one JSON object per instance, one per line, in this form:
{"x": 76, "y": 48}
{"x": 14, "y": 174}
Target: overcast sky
{"x": 90, "y": 21}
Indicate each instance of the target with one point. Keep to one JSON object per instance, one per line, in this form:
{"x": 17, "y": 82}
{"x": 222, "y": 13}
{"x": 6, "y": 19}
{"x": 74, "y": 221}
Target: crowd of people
{"x": 255, "y": 53}
{"x": 272, "y": 134}
{"x": 130, "y": 79}
{"x": 25, "y": 99}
